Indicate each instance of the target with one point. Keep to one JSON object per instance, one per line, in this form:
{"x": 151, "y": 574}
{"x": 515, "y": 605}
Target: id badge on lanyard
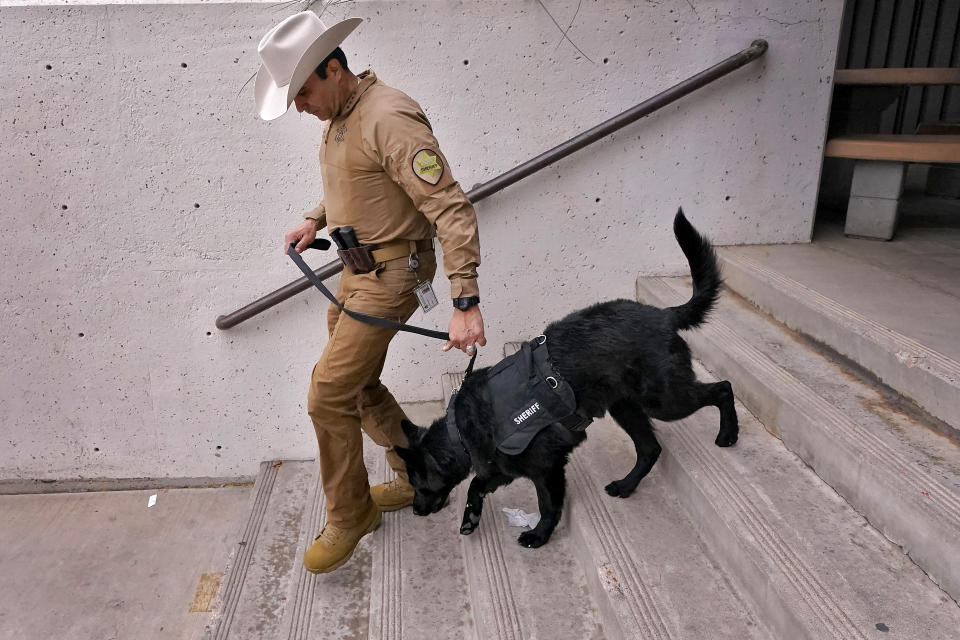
{"x": 424, "y": 290}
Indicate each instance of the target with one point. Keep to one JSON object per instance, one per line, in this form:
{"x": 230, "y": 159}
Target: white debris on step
{"x": 517, "y": 518}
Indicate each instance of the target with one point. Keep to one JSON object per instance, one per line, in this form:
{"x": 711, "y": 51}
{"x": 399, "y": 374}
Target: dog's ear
{"x": 410, "y": 457}
{"x": 412, "y": 431}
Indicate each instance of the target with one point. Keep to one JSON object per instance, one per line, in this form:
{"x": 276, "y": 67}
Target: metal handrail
{"x": 756, "y": 49}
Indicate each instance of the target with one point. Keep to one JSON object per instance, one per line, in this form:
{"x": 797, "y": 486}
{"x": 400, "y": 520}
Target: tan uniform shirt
{"x": 384, "y": 175}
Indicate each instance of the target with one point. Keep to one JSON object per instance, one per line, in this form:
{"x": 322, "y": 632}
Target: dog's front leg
{"x": 551, "y": 491}
{"x": 480, "y": 486}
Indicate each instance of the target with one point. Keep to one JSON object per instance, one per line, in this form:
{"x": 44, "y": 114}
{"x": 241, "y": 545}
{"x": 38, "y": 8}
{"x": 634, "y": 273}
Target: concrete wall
{"x": 140, "y": 198}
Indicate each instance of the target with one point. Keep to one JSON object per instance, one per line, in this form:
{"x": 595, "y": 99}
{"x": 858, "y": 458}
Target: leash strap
{"x": 453, "y": 431}
{"x": 469, "y": 370}
{"x": 363, "y": 317}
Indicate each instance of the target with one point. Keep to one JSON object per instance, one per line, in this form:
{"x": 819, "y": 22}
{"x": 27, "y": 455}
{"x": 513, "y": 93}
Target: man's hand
{"x": 466, "y": 330}
{"x": 303, "y": 234}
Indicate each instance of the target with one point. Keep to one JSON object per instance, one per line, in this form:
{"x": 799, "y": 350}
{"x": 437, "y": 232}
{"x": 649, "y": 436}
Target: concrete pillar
{"x": 874, "y": 199}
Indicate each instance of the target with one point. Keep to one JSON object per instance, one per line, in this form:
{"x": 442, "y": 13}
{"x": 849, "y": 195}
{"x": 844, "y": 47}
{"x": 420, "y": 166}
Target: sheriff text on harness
{"x": 526, "y": 414}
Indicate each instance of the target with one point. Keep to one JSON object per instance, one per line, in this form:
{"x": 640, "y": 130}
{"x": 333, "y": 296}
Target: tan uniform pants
{"x": 346, "y": 394}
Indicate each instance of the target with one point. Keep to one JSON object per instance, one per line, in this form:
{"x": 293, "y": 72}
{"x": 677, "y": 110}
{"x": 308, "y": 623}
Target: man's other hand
{"x": 303, "y": 234}
{"x": 466, "y": 330}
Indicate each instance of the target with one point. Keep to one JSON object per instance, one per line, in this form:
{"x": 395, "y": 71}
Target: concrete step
{"x": 810, "y": 564}
{"x": 651, "y": 573}
{"x": 413, "y": 578}
{"x": 518, "y": 592}
{"x": 266, "y": 592}
{"x": 642, "y": 559}
{"x": 388, "y": 590}
{"x": 418, "y": 588}
{"x": 251, "y": 595}
{"x": 883, "y": 459}
{"x": 925, "y": 369}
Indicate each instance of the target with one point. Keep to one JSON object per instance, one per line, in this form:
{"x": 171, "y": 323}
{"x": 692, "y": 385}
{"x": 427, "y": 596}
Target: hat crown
{"x": 283, "y": 46}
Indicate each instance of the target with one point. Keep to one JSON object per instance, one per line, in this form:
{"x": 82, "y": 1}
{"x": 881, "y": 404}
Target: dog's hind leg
{"x": 480, "y": 486}
{"x": 631, "y": 417}
{"x": 697, "y": 395}
{"x": 729, "y": 425}
{"x": 551, "y": 491}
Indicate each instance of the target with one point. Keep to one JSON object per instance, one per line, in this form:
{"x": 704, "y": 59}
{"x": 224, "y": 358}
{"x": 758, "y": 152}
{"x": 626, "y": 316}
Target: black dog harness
{"x": 528, "y": 396}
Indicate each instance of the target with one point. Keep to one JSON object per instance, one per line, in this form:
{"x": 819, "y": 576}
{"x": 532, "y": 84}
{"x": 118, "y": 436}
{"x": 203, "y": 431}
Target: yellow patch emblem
{"x": 428, "y": 166}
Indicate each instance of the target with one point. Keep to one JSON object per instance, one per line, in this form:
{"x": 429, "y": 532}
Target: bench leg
{"x": 874, "y": 199}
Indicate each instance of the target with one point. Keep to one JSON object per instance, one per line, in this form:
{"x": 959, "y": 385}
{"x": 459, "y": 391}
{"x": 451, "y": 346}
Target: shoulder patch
{"x": 428, "y": 166}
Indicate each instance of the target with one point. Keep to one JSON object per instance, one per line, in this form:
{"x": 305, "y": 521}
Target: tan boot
{"x": 335, "y": 544}
{"x": 392, "y": 495}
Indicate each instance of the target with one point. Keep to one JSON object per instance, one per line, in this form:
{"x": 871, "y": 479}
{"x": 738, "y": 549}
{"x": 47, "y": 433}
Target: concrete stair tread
{"x": 262, "y": 572}
{"x": 643, "y": 561}
{"x": 879, "y": 332}
{"x": 413, "y": 577}
{"x": 857, "y": 290}
{"x": 434, "y": 594}
{"x": 335, "y": 605}
{"x": 519, "y": 592}
{"x": 897, "y": 480}
{"x": 912, "y": 261}
{"x": 550, "y": 593}
{"x": 418, "y": 586}
{"x": 660, "y": 579}
{"x": 913, "y": 434}
{"x": 796, "y": 540}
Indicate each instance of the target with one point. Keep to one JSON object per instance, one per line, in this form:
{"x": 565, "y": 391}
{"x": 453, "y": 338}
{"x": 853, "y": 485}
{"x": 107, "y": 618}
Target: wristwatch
{"x": 465, "y": 303}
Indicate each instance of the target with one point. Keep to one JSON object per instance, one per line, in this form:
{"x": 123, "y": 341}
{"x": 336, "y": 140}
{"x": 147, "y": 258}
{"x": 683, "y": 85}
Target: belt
{"x": 400, "y": 249}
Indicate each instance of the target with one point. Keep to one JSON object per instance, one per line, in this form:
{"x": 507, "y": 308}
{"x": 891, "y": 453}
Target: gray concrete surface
{"x": 906, "y": 484}
{"x": 413, "y": 578}
{"x": 810, "y": 563}
{"x": 652, "y": 573}
{"x": 641, "y": 559}
{"x": 910, "y": 284}
{"x": 891, "y": 307}
{"x": 104, "y": 566}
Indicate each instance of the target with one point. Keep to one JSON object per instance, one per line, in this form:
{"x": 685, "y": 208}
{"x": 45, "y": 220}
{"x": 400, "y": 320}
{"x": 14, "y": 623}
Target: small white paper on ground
{"x": 152, "y": 501}
{"x": 517, "y": 518}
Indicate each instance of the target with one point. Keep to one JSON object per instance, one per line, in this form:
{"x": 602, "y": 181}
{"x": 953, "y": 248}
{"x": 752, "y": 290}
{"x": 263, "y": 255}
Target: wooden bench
{"x": 909, "y": 75}
{"x": 881, "y": 160}
{"x": 896, "y": 148}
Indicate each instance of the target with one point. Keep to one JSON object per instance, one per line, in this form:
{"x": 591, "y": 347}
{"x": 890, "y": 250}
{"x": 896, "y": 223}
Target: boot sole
{"x": 373, "y": 527}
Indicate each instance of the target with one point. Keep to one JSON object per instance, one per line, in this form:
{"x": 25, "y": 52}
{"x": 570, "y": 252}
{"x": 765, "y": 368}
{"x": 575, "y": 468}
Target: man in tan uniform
{"x": 385, "y": 176}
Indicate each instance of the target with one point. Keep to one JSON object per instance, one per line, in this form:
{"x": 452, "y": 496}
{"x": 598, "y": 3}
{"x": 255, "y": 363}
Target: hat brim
{"x": 274, "y": 100}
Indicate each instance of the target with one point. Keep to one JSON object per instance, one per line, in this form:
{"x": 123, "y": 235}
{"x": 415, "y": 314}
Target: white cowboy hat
{"x": 290, "y": 52}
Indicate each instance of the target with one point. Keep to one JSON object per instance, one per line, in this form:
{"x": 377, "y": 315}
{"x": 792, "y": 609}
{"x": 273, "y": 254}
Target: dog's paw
{"x": 618, "y": 489}
{"x": 726, "y": 439}
{"x": 470, "y": 522}
{"x": 532, "y": 539}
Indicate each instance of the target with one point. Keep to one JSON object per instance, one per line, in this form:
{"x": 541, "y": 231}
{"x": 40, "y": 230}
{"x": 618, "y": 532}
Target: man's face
{"x": 320, "y": 97}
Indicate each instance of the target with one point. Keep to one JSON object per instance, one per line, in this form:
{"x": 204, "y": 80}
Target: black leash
{"x": 321, "y": 243}
{"x": 451, "y": 417}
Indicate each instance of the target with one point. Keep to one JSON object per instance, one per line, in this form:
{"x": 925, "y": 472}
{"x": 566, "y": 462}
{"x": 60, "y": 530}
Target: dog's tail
{"x": 705, "y": 272}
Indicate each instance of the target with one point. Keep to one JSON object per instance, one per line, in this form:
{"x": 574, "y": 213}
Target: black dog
{"x": 620, "y": 356}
